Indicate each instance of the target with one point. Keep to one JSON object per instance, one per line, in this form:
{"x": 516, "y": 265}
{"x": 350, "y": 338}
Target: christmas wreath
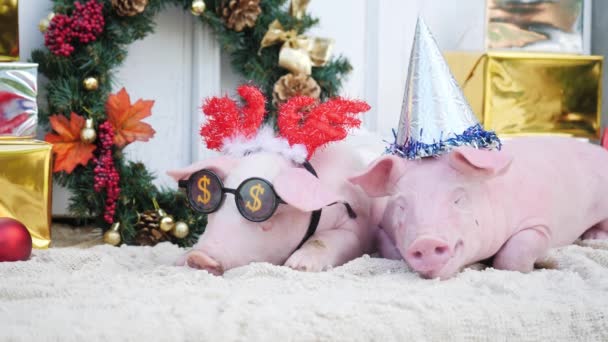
{"x": 89, "y": 125}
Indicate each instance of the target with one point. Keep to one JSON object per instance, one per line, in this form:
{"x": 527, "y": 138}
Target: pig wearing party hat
{"x": 454, "y": 199}
{"x": 278, "y": 198}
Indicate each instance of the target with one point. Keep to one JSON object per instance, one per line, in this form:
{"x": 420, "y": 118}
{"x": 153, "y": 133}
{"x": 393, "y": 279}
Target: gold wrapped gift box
{"x": 25, "y": 186}
{"x": 9, "y": 30}
{"x": 531, "y": 93}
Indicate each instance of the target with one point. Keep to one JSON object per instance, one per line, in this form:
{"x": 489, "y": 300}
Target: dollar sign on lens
{"x": 203, "y": 182}
{"x": 255, "y": 193}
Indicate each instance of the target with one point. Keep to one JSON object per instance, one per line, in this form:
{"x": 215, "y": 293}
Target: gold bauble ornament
{"x": 90, "y": 83}
{"x": 112, "y": 236}
{"x": 44, "y": 23}
{"x": 88, "y": 134}
{"x": 167, "y": 223}
{"x": 181, "y": 230}
{"x": 198, "y": 7}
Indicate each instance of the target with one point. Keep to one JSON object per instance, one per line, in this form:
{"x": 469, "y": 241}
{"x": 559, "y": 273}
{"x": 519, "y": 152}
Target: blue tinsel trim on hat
{"x": 474, "y": 136}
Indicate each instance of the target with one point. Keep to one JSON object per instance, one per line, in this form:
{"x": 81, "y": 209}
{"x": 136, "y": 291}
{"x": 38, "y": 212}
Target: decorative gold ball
{"x": 181, "y": 230}
{"x": 112, "y": 237}
{"x": 88, "y": 134}
{"x": 43, "y": 25}
{"x": 90, "y": 83}
{"x": 167, "y": 223}
{"x": 198, "y": 7}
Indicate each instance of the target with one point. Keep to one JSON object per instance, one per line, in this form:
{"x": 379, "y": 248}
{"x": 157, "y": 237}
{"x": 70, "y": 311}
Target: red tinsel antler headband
{"x": 301, "y": 120}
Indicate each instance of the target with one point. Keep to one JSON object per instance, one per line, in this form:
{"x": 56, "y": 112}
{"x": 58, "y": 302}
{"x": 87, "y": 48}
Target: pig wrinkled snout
{"x": 202, "y": 261}
{"x": 428, "y": 255}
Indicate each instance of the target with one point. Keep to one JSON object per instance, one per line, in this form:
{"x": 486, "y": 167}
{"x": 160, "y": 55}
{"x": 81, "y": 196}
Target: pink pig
{"x": 448, "y": 212}
{"x": 230, "y": 240}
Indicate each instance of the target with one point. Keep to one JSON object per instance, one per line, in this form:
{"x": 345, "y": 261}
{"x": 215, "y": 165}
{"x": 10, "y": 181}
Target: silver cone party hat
{"x": 435, "y": 116}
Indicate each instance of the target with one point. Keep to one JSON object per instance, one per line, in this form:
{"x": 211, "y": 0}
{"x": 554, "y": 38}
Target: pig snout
{"x": 428, "y": 255}
{"x": 202, "y": 261}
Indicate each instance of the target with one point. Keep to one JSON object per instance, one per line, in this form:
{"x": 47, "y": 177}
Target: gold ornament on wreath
{"x": 90, "y": 83}
{"x": 88, "y": 134}
{"x": 198, "y": 7}
{"x": 129, "y": 8}
{"x": 291, "y": 85}
{"x": 298, "y": 53}
{"x": 239, "y": 14}
{"x": 44, "y": 23}
{"x": 112, "y": 236}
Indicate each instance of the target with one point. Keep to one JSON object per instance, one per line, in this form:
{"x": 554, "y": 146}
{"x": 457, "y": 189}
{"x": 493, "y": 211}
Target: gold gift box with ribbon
{"x": 26, "y": 186}
{"x": 523, "y": 93}
{"x": 9, "y": 30}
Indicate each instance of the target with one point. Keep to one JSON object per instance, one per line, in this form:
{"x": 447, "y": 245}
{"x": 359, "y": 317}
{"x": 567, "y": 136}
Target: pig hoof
{"x": 201, "y": 261}
{"x": 300, "y": 262}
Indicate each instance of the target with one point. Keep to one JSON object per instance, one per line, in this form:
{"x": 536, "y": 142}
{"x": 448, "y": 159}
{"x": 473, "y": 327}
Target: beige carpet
{"x": 134, "y": 294}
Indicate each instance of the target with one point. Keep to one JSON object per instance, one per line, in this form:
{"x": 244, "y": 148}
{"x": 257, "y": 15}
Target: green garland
{"x": 101, "y": 58}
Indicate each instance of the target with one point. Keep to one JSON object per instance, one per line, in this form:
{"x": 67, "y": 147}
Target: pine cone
{"x": 129, "y": 8}
{"x": 148, "y": 229}
{"x": 239, "y": 14}
{"x": 291, "y": 85}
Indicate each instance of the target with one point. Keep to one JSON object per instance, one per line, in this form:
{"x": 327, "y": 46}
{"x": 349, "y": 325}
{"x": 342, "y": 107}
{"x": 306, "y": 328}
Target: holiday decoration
{"x": 18, "y": 107}
{"x": 112, "y": 236}
{"x": 68, "y": 148}
{"x": 44, "y": 23}
{"x": 435, "y": 116}
{"x": 15, "y": 240}
{"x": 129, "y": 8}
{"x": 25, "y": 186}
{"x": 9, "y": 30}
{"x": 106, "y": 176}
{"x": 239, "y": 14}
{"x": 253, "y": 150}
{"x": 99, "y": 59}
{"x": 552, "y": 94}
{"x": 548, "y": 26}
{"x": 198, "y": 7}
{"x": 181, "y": 230}
{"x": 90, "y": 83}
{"x": 148, "y": 229}
{"x": 88, "y": 134}
{"x": 84, "y": 26}
{"x": 297, "y": 8}
{"x": 126, "y": 118}
{"x": 291, "y": 85}
{"x": 298, "y": 53}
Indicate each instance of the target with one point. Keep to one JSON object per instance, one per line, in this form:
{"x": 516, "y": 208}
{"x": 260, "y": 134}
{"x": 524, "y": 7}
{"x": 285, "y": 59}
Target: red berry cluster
{"x": 58, "y": 37}
{"x": 88, "y": 21}
{"x": 85, "y": 25}
{"x": 106, "y": 175}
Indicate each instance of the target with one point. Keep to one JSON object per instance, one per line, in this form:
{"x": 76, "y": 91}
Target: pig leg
{"x": 521, "y": 250}
{"x": 326, "y": 249}
{"x": 597, "y": 232}
{"x": 386, "y": 246}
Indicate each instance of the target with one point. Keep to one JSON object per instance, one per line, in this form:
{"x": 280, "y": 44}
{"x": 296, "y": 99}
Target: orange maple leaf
{"x": 126, "y": 118}
{"x": 69, "y": 150}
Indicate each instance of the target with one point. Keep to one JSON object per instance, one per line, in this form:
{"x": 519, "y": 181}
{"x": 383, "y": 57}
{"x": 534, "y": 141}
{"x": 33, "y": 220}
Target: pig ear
{"x": 300, "y": 189}
{"x": 220, "y": 165}
{"x": 380, "y": 177}
{"x": 476, "y": 162}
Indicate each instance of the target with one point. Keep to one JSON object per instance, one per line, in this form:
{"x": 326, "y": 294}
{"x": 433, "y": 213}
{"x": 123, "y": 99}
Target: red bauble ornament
{"x": 15, "y": 240}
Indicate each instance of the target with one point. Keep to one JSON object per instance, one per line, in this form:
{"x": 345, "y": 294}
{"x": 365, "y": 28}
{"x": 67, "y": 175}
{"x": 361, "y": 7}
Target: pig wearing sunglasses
{"x": 283, "y": 197}
{"x": 231, "y": 239}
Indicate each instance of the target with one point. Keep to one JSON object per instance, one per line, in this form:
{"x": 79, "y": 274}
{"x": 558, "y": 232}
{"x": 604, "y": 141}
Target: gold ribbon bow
{"x": 298, "y": 53}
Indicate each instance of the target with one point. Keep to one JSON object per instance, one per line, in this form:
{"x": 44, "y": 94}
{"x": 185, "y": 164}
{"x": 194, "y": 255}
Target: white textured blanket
{"x": 132, "y": 293}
